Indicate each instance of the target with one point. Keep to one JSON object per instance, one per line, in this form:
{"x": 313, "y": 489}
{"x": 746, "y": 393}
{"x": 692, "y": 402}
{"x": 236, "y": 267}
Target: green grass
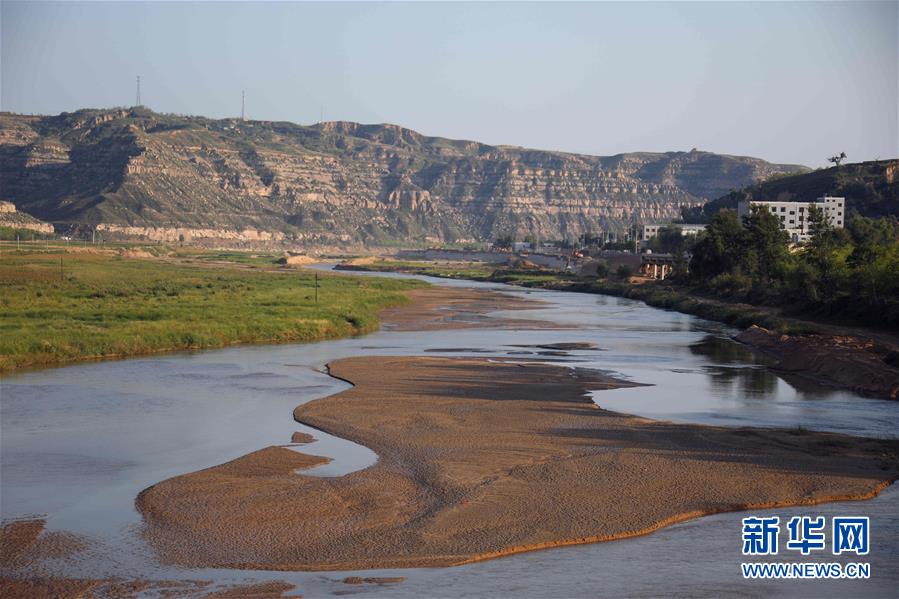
{"x": 8, "y": 233}
{"x": 658, "y": 295}
{"x": 739, "y": 316}
{"x": 103, "y": 306}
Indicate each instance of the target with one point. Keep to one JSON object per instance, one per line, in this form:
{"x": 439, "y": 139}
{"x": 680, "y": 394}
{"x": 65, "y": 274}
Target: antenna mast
{"x": 138, "y": 91}
{"x": 243, "y": 94}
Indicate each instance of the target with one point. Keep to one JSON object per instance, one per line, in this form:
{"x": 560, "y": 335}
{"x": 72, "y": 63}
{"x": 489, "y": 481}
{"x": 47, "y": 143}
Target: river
{"x": 77, "y": 444}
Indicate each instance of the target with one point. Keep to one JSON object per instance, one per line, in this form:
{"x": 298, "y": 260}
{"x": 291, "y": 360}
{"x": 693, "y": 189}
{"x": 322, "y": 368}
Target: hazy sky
{"x": 789, "y": 82}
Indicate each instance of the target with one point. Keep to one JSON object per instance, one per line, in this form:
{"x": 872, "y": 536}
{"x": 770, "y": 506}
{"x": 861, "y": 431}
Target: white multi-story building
{"x": 794, "y": 215}
{"x": 652, "y": 229}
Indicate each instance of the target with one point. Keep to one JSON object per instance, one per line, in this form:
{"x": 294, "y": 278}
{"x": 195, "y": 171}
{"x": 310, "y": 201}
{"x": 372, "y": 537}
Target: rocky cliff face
{"x": 13, "y": 219}
{"x": 137, "y": 171}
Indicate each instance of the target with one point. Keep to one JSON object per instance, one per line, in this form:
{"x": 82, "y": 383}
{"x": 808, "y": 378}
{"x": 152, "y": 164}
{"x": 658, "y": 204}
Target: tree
{"x": 694, "y": 214}
{"x": 873, "y": 239}
{"x": 820, "y": 253}
{"x": 871, "y": 231}
{"x": 767, "y": 243}
{"x": 720, "y": 248}
{"x": 602, "y": 270}
{"x": 504, "y": 242}
{"x": 819, "y": 225}
{"x": 837, "y": 159}
{"x": 669, "y": 240}
{"x": 624, "y": 271}
{"x": 680, "y": 266}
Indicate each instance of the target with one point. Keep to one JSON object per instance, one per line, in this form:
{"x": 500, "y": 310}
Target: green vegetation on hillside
{"x": 58, "y": 307}
{"x": 870, "y": 188}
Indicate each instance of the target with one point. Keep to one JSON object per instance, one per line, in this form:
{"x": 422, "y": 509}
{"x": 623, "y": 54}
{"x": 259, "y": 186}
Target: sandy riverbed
{"x": 477, "y": 459}
{"x": 441, "y": 308}
{"x": 480, "y": 459}
{"x": 26, "y": 544}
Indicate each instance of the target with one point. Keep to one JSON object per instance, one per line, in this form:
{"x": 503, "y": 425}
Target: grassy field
{"x": 8, "y": 233}
{"x": 58, "y": 307}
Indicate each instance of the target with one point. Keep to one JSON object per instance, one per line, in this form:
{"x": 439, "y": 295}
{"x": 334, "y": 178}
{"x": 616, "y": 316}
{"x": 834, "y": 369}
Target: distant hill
{"x": 139, "y": 173}
{"x": 870, "y": 188}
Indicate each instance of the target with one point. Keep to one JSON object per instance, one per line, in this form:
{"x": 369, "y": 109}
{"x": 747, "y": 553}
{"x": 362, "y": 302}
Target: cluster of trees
{"x": 14, "y": 233}
{"x": 850, "y": 273}
{"x": 504, "y": 241}
{"x": 669, "y": 240}
{"x": 507, "y": 241}
{"x": 623, "y": 272}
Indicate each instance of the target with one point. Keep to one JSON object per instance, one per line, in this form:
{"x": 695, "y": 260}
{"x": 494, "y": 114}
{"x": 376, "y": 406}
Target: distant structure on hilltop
{"x": 794, "y": 215}
{"x": 652, "y": 229}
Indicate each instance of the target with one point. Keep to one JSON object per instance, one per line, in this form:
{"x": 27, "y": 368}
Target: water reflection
{"x": 734, "y": 368}
{"x": 723, "y": 350}
{"x": 79, "y": 443}
{"x": 750, "y": 382}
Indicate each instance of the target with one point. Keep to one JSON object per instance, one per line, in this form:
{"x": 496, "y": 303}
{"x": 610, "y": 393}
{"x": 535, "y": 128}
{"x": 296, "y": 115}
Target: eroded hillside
{"x": 166, "y": 177}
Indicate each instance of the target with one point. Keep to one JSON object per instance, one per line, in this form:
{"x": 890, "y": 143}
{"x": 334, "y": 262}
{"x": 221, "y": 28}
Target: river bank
{"x": 822, "y": 351}
{"x": 844, "y": 357}
{"x": 64, "y": 306}
{"x": 80, "y": 443}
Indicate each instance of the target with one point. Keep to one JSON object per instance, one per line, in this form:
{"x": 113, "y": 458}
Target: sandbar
{"x": 483, "y": 458}
{"x": 439, "y": 308}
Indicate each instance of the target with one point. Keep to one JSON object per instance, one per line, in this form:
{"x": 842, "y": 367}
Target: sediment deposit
{"x": 479, "y": 459}
{"x": 845, "y": 361}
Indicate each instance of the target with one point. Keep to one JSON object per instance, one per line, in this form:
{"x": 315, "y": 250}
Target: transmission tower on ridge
{"x": 138, "y": 91}
{"x": 243, "y": 95}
